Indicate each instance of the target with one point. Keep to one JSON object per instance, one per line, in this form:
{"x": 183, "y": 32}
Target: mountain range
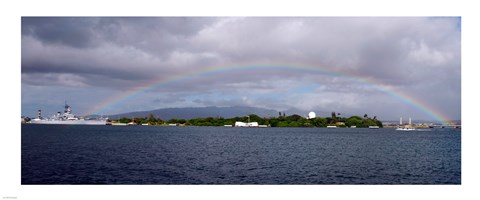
{"x": 225, "y": 112}
{"x": 204, "y": 112}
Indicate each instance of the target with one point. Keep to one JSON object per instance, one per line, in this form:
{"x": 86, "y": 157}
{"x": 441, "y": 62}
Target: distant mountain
{"x": 201, "y": 112}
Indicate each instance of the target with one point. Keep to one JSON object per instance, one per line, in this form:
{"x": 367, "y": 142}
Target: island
{"x": 335, "y": 120}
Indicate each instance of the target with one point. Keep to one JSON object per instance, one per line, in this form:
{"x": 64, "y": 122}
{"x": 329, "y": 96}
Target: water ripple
{"x": 211, "y": 155}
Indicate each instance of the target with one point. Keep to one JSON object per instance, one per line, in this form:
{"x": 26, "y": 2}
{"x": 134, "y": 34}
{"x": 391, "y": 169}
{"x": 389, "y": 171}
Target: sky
{"x": 389, "y": 67}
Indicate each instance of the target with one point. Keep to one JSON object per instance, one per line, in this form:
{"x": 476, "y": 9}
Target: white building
{"x": 243, "y": 124}
{"x": 311, "y": 115}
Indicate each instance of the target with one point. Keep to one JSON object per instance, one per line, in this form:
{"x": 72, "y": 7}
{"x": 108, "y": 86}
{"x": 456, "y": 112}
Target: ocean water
{"x": 56, "y": 154}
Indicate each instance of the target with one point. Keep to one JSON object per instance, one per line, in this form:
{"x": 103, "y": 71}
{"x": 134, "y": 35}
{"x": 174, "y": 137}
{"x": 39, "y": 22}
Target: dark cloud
{"x": 414, "y": 54}
{"x": 70, "y": 31}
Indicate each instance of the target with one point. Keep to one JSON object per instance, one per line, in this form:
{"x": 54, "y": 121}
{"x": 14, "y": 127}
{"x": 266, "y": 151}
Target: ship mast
{"x": 68, "y": 110}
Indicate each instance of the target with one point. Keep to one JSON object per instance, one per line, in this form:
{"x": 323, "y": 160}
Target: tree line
{"x": 280, "y": 121}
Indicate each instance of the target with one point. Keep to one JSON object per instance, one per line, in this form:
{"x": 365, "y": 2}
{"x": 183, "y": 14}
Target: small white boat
{"x": 373, "y": 127}
{"x": 331, "y": 126}
{"x": 408, "y": 127}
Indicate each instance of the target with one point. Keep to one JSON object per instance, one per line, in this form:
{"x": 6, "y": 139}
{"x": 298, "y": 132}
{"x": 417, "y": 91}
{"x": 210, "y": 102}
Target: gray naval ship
{"x": 68, "y": 118}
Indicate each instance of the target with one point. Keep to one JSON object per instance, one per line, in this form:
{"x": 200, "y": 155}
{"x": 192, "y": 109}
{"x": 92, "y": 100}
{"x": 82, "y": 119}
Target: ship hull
{"x": 72, "y": 122}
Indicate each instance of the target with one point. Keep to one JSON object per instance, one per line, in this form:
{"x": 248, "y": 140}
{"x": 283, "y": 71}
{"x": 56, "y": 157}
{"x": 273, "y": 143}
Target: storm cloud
{"x": 92, "y": 59}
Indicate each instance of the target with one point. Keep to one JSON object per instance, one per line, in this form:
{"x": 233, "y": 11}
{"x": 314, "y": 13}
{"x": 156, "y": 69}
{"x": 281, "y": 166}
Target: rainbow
{"x": 407, "y": 99}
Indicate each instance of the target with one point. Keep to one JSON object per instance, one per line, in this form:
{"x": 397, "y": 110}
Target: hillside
{"x": 200, "y": 112}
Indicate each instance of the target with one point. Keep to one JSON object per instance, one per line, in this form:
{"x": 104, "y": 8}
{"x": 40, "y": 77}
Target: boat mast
{"x": 68, "y": 110}
{"x": 66, "y": 106}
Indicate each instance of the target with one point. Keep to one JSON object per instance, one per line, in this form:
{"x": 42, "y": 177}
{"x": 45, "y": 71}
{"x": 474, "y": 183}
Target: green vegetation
{"x": 280, "y": 121}
{"x": 150, "y": 120}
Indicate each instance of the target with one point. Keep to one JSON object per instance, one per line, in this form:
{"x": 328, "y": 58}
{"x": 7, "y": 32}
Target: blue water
{"x": 55, "y": 154}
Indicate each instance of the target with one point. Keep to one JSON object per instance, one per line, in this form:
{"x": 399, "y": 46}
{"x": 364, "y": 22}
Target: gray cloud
{"x": 413, "y": 54}
{"x": 69, "y": 31}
